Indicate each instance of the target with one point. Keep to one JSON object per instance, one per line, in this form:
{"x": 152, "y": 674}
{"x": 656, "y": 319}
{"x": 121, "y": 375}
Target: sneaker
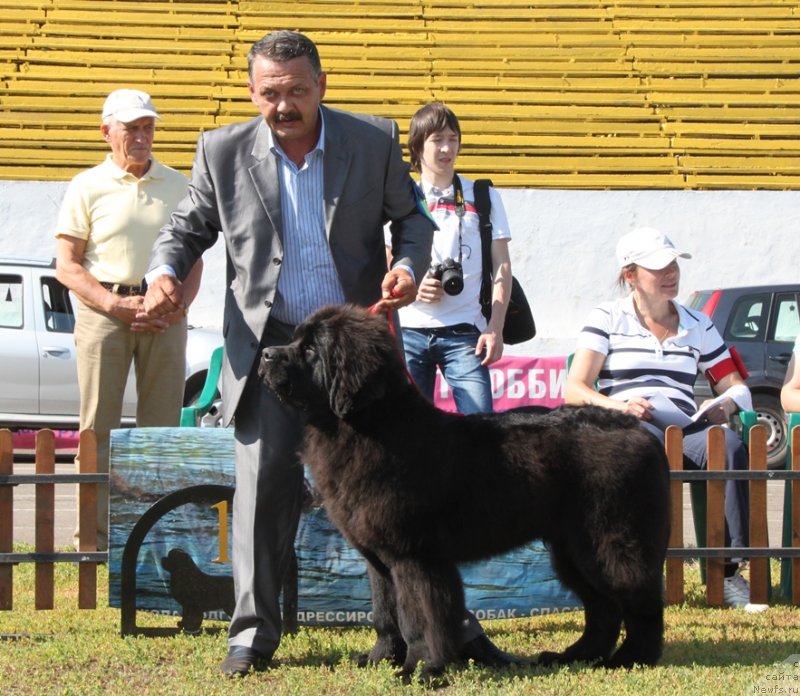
{"x": 737, "y": 594}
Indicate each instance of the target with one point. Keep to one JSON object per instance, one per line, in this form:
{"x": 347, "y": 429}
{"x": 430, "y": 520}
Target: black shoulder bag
{"x": 519, "y": 324}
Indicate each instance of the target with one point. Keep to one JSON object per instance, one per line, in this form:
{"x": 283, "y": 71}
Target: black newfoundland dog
{"x": 417, "y": 491}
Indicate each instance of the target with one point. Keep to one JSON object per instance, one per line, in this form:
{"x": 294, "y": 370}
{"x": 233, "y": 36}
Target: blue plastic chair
{"x": 786, "y": 536}
{"x": 191, "y": 415}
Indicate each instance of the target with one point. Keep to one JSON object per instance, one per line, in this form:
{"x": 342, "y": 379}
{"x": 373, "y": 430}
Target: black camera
{"x": 451, "y": 274}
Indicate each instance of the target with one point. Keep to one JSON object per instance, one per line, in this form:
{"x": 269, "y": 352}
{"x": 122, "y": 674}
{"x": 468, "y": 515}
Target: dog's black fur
{"x": 417, "y": 490}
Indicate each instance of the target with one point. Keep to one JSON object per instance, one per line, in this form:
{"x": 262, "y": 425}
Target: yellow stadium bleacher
{"x": 551, "y": 93}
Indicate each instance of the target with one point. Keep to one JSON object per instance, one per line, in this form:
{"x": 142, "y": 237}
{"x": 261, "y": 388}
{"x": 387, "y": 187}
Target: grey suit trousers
{"x": 266, "y": 505}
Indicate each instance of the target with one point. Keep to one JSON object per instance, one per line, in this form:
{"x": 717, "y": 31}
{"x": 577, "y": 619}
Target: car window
{"x": 698, "y": 299}
{"x": 58, "y": 315}
{"x": 748, "y": 319}
{"x": 787, "y": 321}
{"x": 10, "y": 302}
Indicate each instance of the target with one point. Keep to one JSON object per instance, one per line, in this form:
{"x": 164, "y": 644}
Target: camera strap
{"x": 458, "y": 195}
{"x": 483, "y": 204}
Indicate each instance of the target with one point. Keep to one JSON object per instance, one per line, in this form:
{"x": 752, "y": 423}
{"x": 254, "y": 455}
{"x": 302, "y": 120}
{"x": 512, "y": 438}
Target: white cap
{"x": 127, "y": 105}
{"x": 648, "y": 248}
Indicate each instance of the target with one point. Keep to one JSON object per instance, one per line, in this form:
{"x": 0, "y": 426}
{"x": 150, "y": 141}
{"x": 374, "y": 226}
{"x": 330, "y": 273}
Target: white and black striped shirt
{"x": 637, "y": 364}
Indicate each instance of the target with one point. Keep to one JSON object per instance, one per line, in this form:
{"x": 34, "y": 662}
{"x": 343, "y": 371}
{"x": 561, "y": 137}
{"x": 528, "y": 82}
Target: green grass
{"x": 71, "y": 651}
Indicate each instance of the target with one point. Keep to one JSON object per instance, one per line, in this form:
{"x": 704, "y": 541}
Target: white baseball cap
{"x": 648, "y": 248}
{"x": 127, "y": 105}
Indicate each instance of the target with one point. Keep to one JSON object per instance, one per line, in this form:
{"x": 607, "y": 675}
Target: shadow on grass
{"x": 694, "y": 653}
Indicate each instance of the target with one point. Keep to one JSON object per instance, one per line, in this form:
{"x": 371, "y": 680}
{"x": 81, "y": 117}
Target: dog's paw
{"x": 373, "y": 658}
{"x": 482, "y": 651}
{"x": 549, "y": 659}
{"x": 405, "y": 676}
{"x": 361, "y": 660}
{"x": 430, "y": 676}
{"x": 433, "y": 677}
{"x": 386, "y": 649}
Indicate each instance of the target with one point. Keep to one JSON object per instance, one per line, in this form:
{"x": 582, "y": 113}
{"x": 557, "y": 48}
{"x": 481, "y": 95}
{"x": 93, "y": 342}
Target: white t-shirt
{"x": 463, "y": 308}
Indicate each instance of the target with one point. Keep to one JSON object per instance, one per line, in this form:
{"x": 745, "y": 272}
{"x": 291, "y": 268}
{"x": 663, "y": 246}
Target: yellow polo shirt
{"x": 119, "y": 216}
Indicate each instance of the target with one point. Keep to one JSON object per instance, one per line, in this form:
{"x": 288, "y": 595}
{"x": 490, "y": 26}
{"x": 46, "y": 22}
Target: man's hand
{"x": 397, "y": 289}
{"x": 490, "y": 345}
{"x": 430, "y": 290}
{"x": 146, "y": 324}
{"x": 164, "y": 299}
{"x": 130, "y": 310}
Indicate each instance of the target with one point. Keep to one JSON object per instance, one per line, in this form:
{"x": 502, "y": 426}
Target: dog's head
{"x": 341, "y": 360}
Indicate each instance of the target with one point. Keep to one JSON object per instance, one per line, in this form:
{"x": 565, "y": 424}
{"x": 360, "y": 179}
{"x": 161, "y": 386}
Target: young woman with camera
{"x": 444, "y": 327}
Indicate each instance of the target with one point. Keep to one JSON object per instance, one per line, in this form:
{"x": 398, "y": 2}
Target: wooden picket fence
{"x": 87, "y": 557}
{"x": 758, "y": 552}
{"x": 45, "y": 556}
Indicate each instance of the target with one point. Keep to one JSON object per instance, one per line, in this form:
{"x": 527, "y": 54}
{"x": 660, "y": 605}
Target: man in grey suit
{"x": 301, "y": 195}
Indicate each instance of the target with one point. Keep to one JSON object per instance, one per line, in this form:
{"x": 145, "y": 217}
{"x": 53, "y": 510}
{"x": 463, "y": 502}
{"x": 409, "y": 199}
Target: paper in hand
{"x": 665, "y": 412}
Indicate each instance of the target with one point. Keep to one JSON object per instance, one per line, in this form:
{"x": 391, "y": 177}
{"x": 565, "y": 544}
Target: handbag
{"x": 519, "y": 325}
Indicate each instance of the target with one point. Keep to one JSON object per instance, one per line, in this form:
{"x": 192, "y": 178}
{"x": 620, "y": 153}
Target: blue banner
{"x": 173, "y": 487}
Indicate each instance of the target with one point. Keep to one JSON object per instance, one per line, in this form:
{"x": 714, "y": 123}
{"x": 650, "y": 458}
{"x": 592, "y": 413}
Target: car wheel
{"x": 213, "y": 417}
{"x": 770, "y": 414}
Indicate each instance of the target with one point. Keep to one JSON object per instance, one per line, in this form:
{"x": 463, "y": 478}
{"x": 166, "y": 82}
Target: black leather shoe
{"x": 241, "y": 660}
{"x": 483, "y": 652}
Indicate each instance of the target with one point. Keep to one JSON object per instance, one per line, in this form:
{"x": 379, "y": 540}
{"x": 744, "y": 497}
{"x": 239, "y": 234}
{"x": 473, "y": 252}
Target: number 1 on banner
{"x": 222, "y": 511}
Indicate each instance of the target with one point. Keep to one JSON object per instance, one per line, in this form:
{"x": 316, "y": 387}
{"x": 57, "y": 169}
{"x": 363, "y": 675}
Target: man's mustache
{"x": 291, "y": 116}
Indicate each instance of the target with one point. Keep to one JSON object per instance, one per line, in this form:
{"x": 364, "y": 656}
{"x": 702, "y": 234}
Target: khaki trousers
{"x": 105, "y": 348}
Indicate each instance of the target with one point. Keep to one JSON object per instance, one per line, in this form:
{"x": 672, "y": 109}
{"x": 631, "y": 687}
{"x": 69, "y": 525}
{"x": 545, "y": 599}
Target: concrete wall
{"x": 562, "y": 248}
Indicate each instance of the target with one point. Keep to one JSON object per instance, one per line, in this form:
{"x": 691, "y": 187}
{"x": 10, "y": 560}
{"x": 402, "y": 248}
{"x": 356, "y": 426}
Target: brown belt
{"x": 125, "y": 290}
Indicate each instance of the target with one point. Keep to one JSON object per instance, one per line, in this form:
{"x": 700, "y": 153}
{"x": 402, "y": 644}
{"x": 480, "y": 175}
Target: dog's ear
{"x": 356, "y": 377}
{"x": 360, "y": 359}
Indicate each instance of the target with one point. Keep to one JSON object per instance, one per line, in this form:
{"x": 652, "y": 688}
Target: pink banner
{"x": 518, "y": 381}
{"x": 24, "y": 441}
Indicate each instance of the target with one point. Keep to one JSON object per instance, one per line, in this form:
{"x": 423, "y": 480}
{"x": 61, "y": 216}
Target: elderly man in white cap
{"x": 108, "y": 221}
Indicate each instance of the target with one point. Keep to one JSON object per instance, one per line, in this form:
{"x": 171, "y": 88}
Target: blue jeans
{"x": 452, "y": 350}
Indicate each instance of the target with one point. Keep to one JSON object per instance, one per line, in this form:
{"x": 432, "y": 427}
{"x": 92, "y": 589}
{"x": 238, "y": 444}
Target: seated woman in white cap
{"x": 643, "y": 353}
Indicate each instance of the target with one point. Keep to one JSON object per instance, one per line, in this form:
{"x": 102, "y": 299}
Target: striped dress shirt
{"x": 308, "y": 278}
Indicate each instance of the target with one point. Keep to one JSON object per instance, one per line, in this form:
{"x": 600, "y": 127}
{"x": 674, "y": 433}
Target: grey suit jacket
{"x": 234, "y": 190}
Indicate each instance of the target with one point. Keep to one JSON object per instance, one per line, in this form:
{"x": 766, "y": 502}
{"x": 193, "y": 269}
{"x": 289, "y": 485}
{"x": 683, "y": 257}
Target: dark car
{"x": 761, "y": 322}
